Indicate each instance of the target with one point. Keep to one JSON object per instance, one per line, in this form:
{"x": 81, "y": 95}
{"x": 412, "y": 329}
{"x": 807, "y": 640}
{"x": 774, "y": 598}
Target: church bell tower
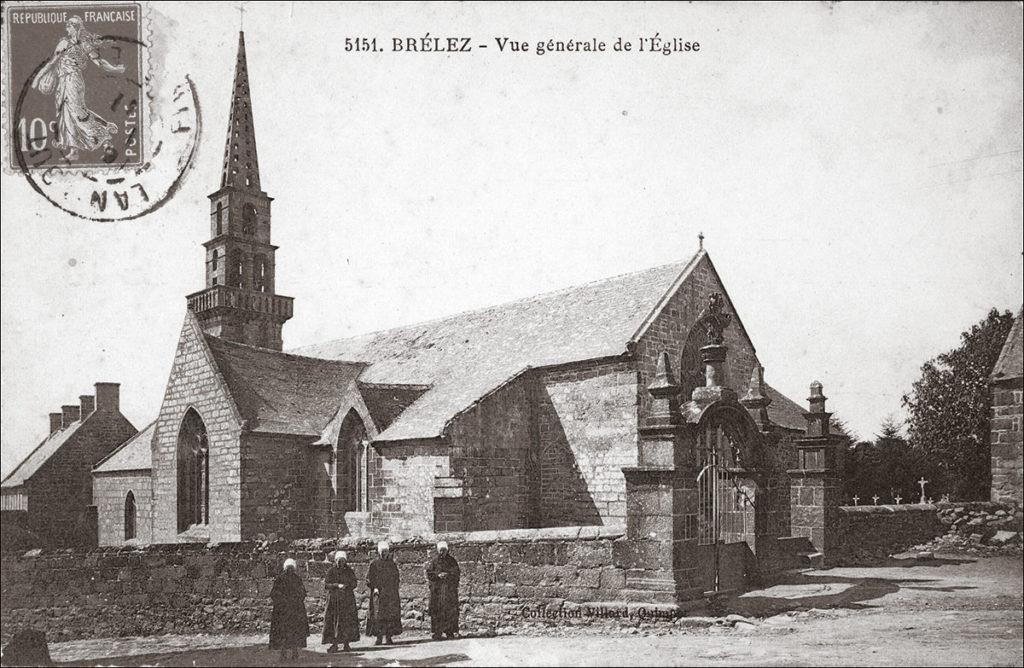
{"x": 239, "y": 303}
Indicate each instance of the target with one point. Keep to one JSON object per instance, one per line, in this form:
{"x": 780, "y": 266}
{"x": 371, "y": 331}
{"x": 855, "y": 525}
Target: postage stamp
{"x": 84, "y": 119}
{"x": 76, "y": 86}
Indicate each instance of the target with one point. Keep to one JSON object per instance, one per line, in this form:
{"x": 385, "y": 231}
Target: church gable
{"x": 196, "y": 388}
{"x": 671, "y": 329}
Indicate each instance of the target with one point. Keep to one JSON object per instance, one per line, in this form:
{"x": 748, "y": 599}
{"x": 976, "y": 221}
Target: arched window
{"x": 193, "y": 472}
{"x": 220, "y": 217}
{"x": 248, "y": 216}
{"x": 351, "y": 468}
{"x": 129, "y": 516}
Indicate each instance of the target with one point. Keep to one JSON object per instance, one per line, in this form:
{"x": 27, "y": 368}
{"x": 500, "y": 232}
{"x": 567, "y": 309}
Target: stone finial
{"x": 664, "y": 391}
{"x": 816, "y": 416}
{"x": 663, "y": 377}
{"x": 756, "y": 399}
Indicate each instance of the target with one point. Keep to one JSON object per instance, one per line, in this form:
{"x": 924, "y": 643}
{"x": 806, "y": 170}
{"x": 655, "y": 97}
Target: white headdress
{"x": 290, "y": 565}
{"x": 442, "y": 545}
{"x": 339, "y": 555}
{"x": 383, "y": 547}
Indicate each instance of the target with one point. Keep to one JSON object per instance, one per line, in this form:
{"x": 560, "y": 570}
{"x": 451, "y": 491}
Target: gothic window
{"x": 351, "y": 469}
{"x": 248, "y": 217}
{"x": 193, "y": 472}
{"x": 220, "y": 217}
{"x": 129, "y": 516}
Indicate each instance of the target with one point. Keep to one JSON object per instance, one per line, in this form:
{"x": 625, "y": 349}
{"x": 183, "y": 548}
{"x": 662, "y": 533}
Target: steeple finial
{"x": 700, "y": 240}
{"x": 241, "y": 166}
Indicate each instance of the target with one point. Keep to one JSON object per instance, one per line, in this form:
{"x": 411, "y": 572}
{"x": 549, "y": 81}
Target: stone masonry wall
{"x": 506, "y": 577}
{"x": 195, "y": 383}
{"x": 672, "y": 332}
{"x": 276, "y": 486}
{"x": 587, "y": 431}
{"x": 60, "y": 492}
{"x": 109, "y": 493}
{"x": 1007, "y": 441}
{"x": 401, "y": 486}
{"x": 490, "y": 451}
{"x": 867, "y": 533}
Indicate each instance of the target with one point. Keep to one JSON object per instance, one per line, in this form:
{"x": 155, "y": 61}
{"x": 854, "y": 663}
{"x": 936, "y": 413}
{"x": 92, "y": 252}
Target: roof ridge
{"x": 281, "y": 353}
{"x": 482, "y": 309}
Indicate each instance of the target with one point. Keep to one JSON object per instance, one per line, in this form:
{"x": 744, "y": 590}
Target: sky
{"x": 856, "y": 170}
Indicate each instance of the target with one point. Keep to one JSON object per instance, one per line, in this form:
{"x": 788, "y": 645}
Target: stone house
{"x": 50, "y": 491}
{"x": 122, "y": 491}
{"x": 1006, "y": 439}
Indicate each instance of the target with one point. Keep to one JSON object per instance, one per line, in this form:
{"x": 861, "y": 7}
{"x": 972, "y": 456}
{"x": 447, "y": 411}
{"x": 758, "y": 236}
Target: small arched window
{"x": 220, "y": 217}
{"x": 129, "y": 516}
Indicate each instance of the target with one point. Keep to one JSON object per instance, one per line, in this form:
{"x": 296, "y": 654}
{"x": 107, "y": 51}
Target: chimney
{"x": 56, "y": 421}
{"x": 69, "y": 414}
{"x": 88, "y": 403}
{"x": 108, "y": 397}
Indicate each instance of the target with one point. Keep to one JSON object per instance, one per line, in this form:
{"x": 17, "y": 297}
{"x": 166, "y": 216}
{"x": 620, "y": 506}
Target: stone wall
{"x": 109, "y": 493}
{"x": 1007, "y": 441}
{"x": 195, "y": 383}
{"x": 490, "y": 450}
{"x": 869, "y": 533}
{"x": 506, "y": 577}
{"x": 587, "y": 431}
{"x": 277, "y": 486}
{"x": 401, "y": 483}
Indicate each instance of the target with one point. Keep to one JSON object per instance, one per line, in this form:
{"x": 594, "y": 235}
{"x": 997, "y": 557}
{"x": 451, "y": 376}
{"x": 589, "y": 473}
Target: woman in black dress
{"x": 385, "y": 615}
{"x": 289, "y": 624}
{"x": 341, "y": 621}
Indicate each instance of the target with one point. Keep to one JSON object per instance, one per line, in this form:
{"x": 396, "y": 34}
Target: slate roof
{"x": 135, "y": 454}
{"x": 282, "y": 393}
{"x": 39, "y": 456}
{"x": 465, "y": 356}
{"x": 1011, "y": 359}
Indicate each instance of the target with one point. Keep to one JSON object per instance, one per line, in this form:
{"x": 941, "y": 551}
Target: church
{"x": 542, "y": 412}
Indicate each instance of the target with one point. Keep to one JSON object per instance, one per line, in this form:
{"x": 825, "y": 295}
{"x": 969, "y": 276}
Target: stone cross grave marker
{"x": 856, "y": 500}
{"x": 922, "y": 482}
{"x": 875, "y": 498}
{"x": 898, "y": 499}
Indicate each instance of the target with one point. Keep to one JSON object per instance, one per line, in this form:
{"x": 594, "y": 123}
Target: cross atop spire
{"x": 241, "y": 167}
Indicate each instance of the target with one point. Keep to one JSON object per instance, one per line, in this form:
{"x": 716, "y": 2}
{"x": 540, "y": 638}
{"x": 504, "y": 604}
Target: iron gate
{"x": 718, "y": 513}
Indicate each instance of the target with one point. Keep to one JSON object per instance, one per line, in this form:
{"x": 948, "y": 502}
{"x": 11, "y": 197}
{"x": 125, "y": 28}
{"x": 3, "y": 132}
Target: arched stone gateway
{"x": 699, "y": 501}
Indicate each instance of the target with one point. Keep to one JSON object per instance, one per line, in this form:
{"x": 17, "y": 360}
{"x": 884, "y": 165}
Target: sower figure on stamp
{"x": 341, "y": 621}
{"x": 384, "y": 618}
{"x": 78, "y": 127}
{"x": 443, "y": 576}
{"x": 289, "y": 625}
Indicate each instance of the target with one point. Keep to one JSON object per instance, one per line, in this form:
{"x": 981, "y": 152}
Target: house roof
{"x": 39, "y": 456}
{"x": 282, "y": 393}
{"x": 135, "y": 454}
{"x": 1011, "y": 359}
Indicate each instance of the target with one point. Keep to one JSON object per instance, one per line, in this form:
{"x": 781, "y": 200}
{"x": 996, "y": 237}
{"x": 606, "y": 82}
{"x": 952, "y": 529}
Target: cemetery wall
{"x": 507, "y": 577}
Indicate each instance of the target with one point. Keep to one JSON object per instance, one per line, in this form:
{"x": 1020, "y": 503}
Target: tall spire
{"x": 241, "y": 166}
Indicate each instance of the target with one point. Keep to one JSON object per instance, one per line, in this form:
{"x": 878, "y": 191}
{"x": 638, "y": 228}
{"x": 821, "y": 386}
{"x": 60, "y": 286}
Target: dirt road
{"x": 937, "y": 612}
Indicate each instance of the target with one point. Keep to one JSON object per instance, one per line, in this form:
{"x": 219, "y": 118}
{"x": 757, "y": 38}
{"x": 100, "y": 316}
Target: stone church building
{"x": 562, "y": 409}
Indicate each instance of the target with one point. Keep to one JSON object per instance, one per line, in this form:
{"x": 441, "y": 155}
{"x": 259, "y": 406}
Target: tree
{"x": 948, "y": 410}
